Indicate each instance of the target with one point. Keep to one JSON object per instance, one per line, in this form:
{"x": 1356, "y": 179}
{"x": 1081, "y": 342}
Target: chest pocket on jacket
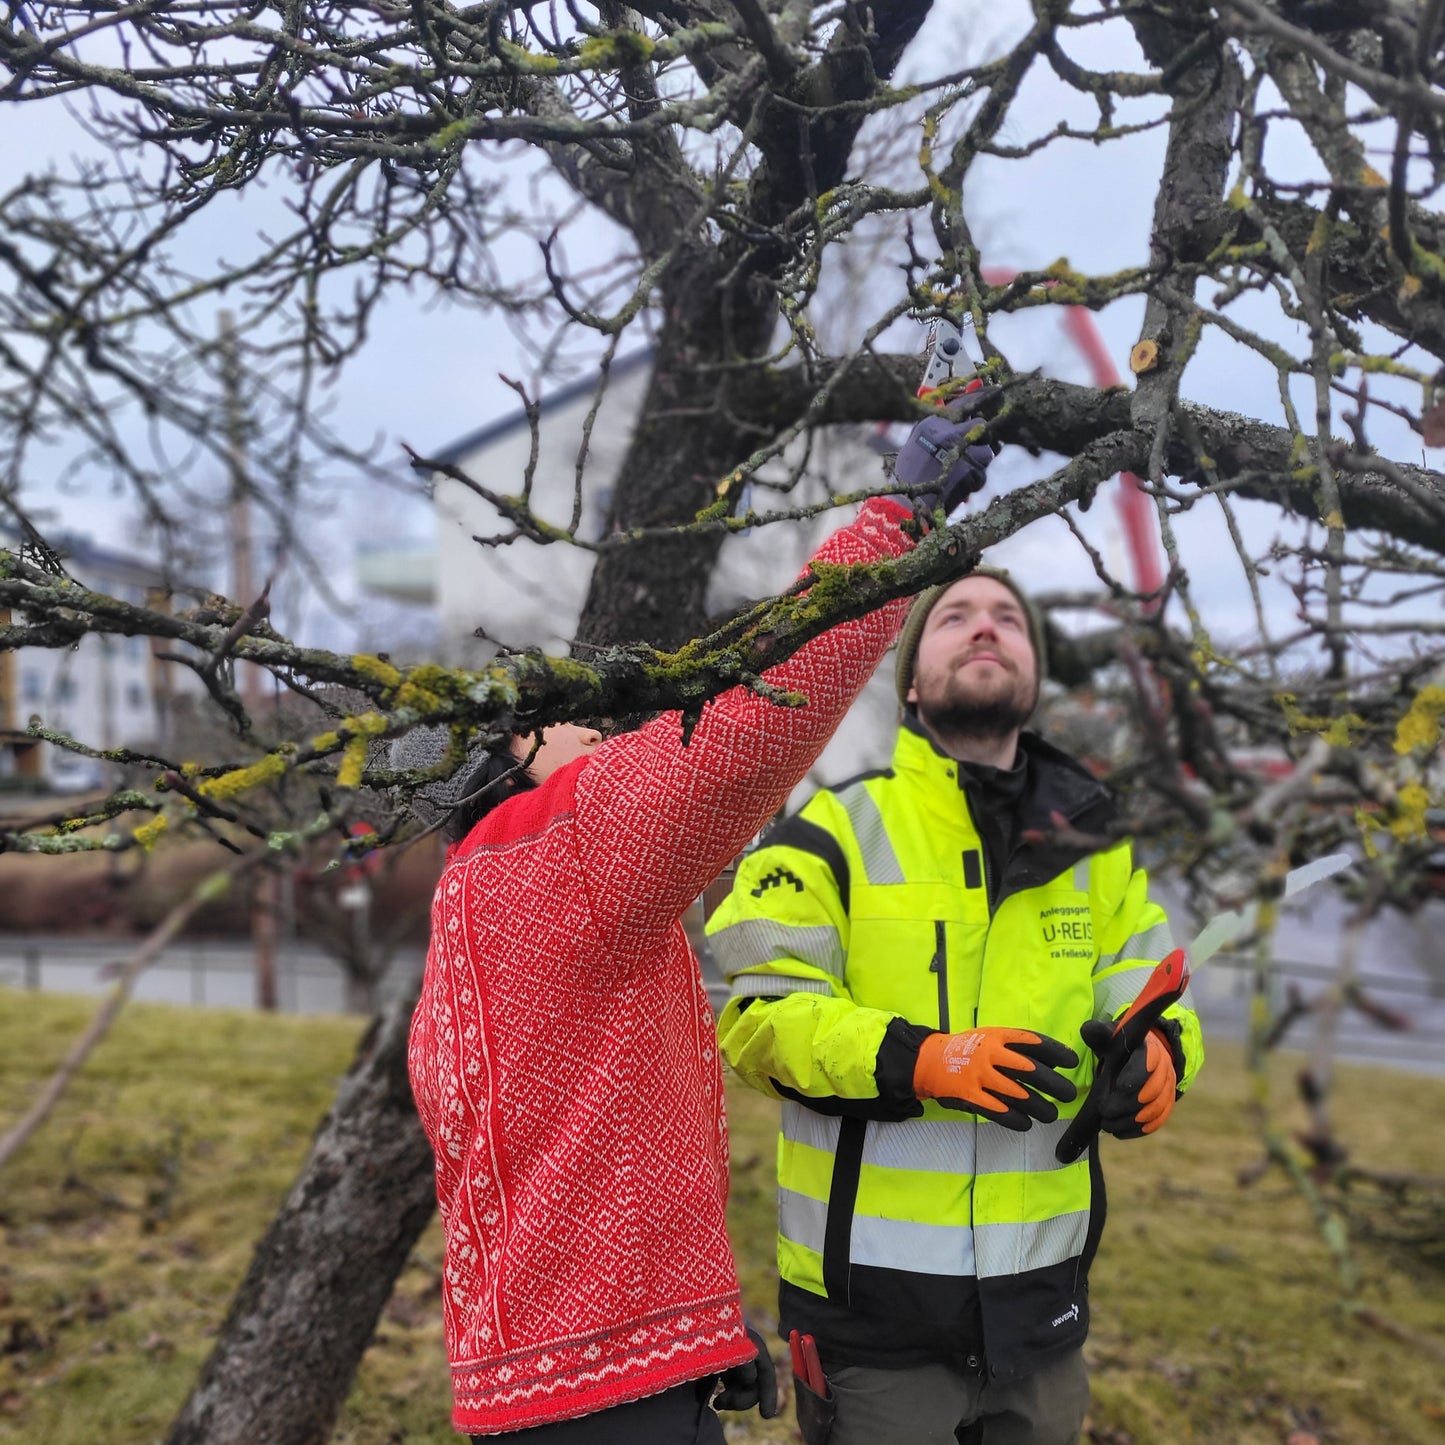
{"x": 893, "y": 943}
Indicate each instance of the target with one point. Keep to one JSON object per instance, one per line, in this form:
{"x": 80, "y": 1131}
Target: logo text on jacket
{"x": 1068, "y": 930}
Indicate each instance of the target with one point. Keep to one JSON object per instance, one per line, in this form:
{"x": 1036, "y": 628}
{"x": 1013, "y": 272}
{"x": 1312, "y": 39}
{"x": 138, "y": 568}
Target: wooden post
{"x": 265, "y": 897}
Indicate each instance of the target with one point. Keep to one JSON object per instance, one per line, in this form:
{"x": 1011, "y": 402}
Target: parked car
{"x": 75, "y": 773}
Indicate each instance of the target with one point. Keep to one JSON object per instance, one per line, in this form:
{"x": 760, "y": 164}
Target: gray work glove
{"x": 939, "y": 469}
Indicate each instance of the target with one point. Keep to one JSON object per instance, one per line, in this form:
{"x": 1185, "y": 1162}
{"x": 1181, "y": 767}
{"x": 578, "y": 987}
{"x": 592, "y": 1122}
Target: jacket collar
{"x": 1072, "y": 788}
{"x": 1055, "y": 784}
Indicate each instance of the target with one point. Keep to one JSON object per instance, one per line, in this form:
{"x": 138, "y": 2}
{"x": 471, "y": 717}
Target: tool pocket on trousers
{"x": 815, "y": 1413}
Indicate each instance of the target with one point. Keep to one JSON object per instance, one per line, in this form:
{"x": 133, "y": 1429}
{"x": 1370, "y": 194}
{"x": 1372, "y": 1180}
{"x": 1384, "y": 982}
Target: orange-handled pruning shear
{"x": 1165, "y": 986}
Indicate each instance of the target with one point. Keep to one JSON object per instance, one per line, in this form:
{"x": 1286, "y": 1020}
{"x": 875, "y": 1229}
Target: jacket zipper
{"x": 989, "y": 881}
{"x": 940, "y": 967}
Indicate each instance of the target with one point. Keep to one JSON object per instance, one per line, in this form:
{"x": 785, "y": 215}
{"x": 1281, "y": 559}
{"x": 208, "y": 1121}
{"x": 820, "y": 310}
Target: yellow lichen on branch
{"x": 375, "y": 669}
{"x": 364, "y": 725}
{"x": 242, "y": 780}
{"x": 1408, "y": 817}
{"x": 353, "y": 761}
{"x": 1420, "y": 726}
{"x": 150, "y": 830}
{"x": 1339, "y": 732}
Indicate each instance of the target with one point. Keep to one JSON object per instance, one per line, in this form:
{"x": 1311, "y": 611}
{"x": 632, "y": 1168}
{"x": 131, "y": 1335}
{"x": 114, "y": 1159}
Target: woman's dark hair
{"x": 498, "y": 777}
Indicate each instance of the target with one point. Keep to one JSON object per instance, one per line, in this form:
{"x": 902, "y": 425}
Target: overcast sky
{"x": 431, "y": 373}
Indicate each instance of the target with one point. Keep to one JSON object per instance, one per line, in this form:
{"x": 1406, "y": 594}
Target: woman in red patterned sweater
{"x": 565, "y": 1066}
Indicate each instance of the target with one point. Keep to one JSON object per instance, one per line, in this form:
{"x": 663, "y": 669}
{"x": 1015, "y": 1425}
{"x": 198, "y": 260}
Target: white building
{"x": 106, "y": 691}
{"x": 526, "y": 594}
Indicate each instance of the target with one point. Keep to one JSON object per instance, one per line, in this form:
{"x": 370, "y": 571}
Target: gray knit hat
{"x": 908, "y": 638}
{"x": 425, "y": 747}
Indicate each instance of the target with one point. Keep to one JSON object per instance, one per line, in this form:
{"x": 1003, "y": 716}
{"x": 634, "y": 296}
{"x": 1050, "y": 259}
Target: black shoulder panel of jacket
{"x": 798, "y": 832}
{"x": 862, "y": 777}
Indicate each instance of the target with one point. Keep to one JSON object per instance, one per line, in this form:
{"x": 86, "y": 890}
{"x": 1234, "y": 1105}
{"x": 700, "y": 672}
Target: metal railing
{"x": 203, "y": 973}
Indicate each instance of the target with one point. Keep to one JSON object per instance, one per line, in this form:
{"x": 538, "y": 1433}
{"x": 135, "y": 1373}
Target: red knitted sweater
{"x": 563, "y": 1056}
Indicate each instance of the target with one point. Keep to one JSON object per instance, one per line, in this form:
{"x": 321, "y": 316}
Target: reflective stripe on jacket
{"x": 875, "y": 912}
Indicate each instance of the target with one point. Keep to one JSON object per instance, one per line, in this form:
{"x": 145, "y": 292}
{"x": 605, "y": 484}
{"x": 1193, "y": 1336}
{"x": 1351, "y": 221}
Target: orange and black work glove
{"x": 754, "y": 1384}
{"x": 999, "y": 1074}
{"x": 1146, "y": 1086}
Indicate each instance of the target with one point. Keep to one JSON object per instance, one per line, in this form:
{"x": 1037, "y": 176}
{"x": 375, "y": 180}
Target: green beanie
{"x": 907, "y": 652}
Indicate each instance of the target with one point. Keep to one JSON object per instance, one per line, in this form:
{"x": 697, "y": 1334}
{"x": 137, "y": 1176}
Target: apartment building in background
{"x": 106, "y": 691}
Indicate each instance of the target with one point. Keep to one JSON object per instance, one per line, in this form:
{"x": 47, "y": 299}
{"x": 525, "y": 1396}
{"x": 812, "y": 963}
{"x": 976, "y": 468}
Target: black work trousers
{"x": 679, "y": 1416}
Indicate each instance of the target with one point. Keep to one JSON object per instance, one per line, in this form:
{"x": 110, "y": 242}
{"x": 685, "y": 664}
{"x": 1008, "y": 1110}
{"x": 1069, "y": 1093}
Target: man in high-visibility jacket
{"x": 913, "y": 957}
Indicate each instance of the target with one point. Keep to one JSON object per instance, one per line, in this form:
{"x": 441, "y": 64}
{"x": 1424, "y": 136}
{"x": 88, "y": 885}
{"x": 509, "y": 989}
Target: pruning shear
{"x": 1165, "y": 986}
{"x": 806, "y": 1365}
{"x": 817, "y": 1406}
{"x": 943, "y": 350}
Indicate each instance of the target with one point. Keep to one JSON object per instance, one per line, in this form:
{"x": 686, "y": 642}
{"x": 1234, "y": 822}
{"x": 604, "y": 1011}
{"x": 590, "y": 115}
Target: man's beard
{"x": 959, "y": 713}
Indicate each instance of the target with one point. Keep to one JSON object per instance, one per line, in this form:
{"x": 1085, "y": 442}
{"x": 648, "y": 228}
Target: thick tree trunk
{"x": 687, "y": 437}
{"x": 654, "y": 589}
{"x": 306, "y": 1311}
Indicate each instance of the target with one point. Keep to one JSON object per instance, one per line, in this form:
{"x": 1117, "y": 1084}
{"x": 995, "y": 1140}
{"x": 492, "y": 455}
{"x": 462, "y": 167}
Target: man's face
{"x": 975, "y": 670}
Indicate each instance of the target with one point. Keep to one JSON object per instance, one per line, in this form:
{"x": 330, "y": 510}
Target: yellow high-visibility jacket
{"x": 885, "y": 911}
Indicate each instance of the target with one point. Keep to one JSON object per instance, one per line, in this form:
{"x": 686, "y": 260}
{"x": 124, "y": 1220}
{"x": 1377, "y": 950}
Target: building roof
{"x": 517, "y": 420}
{"x": 79, "y": 553}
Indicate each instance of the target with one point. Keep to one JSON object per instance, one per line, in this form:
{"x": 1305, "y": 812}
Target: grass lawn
{"x": 128, "y": 1221}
